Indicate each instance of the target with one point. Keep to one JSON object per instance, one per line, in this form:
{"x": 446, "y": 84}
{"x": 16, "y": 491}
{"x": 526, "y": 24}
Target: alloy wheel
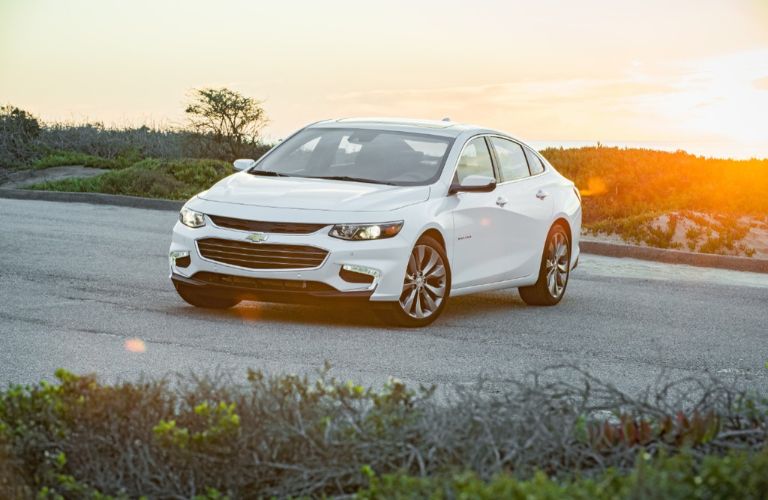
{"x": 425, "y": 283}
{"x": 557, "y": 264}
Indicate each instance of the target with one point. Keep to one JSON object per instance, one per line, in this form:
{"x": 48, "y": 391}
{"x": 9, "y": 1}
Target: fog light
{"x": 358, "y": 274}
{"x": 362, "y": 270}
{"x": 180, "y": 258}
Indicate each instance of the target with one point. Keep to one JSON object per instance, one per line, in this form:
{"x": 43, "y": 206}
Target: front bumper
{"x": 268, "y": 290}
{"x": 387, "y": 256}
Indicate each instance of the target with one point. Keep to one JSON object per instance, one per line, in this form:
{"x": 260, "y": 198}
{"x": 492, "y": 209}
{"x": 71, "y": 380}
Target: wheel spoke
{"x": 419, "y": 257}
{"x": 408, "y": 305}
{"x": 418, "y": 312}
{"x": 437, "y": 273}
{"x": 433, "y": 257}
{"x": 428, "y": 302}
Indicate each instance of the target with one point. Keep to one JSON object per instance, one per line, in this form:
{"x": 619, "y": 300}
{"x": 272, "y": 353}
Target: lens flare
{"x": 595, "y": 186}
{"x": 135, "y": 345}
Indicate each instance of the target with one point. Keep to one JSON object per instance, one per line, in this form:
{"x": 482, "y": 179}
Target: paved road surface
{"x": 78, "y": 280}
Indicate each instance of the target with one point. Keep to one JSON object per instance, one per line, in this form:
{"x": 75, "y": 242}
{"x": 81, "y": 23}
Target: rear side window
{"x": 512, "y": 164}
{"x": 533, "y": 162}
{"x": 475, "y": 160}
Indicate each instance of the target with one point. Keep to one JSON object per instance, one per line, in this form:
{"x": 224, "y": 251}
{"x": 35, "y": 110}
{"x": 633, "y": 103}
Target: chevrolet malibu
{"x": 398, "y": 214}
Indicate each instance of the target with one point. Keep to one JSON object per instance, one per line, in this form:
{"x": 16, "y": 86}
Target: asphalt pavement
{"x": 80, "y": 283}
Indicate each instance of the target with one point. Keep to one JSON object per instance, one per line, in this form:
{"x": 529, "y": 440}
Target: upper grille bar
{"x": 260, "y": 255}
{"x": 266, "y": 227}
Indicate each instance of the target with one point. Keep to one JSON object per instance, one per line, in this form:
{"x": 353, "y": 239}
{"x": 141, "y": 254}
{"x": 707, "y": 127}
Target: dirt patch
{"x": 23, "y": 178}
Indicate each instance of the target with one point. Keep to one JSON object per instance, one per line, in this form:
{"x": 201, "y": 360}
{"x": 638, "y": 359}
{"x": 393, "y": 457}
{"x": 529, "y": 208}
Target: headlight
{"x": 366, "y": 231}
{"x": 190, "y": 218}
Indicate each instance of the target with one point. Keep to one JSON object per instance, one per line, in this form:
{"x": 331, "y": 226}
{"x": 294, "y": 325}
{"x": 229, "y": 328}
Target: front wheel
{"x": 194, "y": 297}
{"x": 553, "y": 272}
{"x": 426, "y": 287}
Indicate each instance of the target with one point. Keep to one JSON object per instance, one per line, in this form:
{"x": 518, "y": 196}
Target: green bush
{"x": 742, "y": 475}
{"x": 66, "y": 158}
{"x": 291, "y": 436}
{"x": 151, "y": 178}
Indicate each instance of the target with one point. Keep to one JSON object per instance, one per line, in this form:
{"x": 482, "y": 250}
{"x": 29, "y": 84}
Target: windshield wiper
{"x": 267, "y": 173}
{"x": 353, "y": 179}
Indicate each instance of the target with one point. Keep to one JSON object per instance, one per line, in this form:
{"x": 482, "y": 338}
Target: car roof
{"x": 433, "y": 127}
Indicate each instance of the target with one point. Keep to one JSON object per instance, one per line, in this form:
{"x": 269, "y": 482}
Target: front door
{"x": 479, "y": 246}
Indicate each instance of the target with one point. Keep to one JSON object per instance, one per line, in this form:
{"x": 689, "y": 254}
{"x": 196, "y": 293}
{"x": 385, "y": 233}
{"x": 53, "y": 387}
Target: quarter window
{"x": 475, "y": 160}
{"x": 533, "y": 162}
{"x": 512, "y": 164}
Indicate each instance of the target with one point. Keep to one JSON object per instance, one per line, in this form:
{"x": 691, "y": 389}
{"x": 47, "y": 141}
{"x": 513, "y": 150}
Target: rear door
{"x": 527, "y": 205}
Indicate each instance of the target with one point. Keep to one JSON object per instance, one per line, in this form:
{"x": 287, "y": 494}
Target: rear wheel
{"x": 426, "y": 286}
{"x": 553, "y": 272}
{"x": 194, "y": 297}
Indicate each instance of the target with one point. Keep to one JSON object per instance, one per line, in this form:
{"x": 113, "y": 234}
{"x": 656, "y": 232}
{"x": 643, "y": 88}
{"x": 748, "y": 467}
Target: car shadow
{"x": 334, "y": 314}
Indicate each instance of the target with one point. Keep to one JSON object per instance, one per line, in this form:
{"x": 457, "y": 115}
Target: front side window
{"x": 533, "y": 162}
{"x": 375, "y": 156}
{"x": 512, "y": 163}
{"x": 475, "y": 160}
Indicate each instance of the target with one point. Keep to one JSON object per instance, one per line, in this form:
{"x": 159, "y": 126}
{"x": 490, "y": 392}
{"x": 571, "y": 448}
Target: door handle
{"x": 501, "y": 201}
{"x": 541, "y": 194}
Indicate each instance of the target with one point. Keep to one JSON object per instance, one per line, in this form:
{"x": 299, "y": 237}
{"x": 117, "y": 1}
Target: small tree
{"x": 18, "y": 131}
{"x": 228, "y": 117}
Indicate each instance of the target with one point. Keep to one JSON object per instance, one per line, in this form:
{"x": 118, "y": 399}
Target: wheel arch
{"x": 563, "y": 222}
{"x": 436, "y": 234}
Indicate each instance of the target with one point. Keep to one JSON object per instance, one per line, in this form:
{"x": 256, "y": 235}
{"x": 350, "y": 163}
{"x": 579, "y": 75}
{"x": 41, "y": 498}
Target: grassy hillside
{"x": 661, "y": 199}
{"x": 667, "y": 199}
{"x": 152, "y": 178}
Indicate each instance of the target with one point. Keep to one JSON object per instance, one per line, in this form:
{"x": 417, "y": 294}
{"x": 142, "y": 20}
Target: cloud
{"x": 540, "y": 108}
{"x": 712, "y": 100}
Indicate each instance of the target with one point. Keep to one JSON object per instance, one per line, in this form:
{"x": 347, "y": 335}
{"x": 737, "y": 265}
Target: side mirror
{"x": 474, "y": 184}
{"x": 243, "y": 164}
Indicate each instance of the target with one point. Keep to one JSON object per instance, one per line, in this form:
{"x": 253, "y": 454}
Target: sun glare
{"x": 595, "y": 186}
{"x": 135, "y": 345}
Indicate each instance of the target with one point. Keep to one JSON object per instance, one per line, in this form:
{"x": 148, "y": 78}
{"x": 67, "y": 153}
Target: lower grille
{"x": 261, "y": 255}
{"x": 263, "y": 284}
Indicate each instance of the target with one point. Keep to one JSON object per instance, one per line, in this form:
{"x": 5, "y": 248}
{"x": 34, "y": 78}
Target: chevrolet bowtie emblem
{"x": 256, "y": 237}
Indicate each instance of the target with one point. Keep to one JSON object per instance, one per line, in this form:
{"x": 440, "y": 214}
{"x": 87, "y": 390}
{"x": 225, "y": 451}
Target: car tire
{"x": 426, "y": 287}
{"x": 196, "y": 298}
{"x": 554, "y": 270}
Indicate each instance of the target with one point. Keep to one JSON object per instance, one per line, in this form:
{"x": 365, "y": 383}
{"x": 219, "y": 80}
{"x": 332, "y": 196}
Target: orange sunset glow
{"x": 690, "y": 74}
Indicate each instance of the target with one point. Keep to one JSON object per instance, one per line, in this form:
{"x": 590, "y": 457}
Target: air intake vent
{"x": 266, "y": 227}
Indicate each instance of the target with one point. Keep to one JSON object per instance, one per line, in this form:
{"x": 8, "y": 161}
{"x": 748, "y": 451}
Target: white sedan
{"x": 399, "y": 214}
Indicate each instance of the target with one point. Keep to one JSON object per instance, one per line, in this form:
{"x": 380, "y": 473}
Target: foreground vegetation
{"x": 560, "y": 433}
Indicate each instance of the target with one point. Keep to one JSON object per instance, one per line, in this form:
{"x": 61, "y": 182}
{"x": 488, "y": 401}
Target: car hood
{"x": 313, "y": 194}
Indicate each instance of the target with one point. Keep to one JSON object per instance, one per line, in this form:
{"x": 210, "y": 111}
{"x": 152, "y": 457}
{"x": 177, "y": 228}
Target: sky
{"x": 683, "y": 73}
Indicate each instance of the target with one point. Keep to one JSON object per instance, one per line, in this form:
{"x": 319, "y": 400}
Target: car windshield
{"x": 361, "y": 155}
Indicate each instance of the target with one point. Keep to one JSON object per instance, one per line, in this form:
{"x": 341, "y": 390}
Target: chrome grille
{"x": 260, "y": 255}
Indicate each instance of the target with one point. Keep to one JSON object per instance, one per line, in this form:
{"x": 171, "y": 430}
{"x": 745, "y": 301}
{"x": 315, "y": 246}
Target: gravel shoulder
{"x": 15, "y": 179}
